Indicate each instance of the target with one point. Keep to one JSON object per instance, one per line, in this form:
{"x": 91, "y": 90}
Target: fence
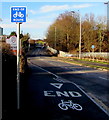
{"x": 96, "y": 55}
{"x": 93, "y": 55}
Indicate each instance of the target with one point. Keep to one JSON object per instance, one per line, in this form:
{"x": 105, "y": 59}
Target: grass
{"x": 93, "y": 61}
{"x": 93, "y": 66}
{"x": 78, "y": 62}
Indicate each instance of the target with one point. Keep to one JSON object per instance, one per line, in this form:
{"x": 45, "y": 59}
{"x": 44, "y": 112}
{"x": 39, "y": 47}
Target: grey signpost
{"x": 93, "y": 51}
{"x": 18, "y": 15}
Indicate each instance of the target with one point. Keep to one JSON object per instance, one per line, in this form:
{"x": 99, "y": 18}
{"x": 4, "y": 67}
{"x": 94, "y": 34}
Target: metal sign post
{"x": 80, "y": 37}
{"x": 18, "y": 15}
{"x": 18, "y": 66}
{"x": 93, "y": 51}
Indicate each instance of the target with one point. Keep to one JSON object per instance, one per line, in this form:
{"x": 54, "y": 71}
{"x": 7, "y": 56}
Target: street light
{"x": 107, "y": 3}
{"x": 79, "y": 35}
{"x": 55, "y": 39}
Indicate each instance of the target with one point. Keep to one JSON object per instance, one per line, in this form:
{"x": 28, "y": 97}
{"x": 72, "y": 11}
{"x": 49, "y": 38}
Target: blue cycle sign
{"x": 18, "y": 14}
{"x": 93, "y": 46}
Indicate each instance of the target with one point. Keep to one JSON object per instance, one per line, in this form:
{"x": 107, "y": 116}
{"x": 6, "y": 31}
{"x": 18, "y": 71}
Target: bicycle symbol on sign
{"x": 64, "y": 105}
{"x": 18, "y": 14}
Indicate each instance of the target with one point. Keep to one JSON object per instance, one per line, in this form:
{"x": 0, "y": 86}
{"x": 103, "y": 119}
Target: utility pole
{"x": 79, "y": 34}
{"x": 18, "y": 65}
{"x": 107, "y": 3}
{"x": 80, "y": 38}
{"x": 55, "y": 39}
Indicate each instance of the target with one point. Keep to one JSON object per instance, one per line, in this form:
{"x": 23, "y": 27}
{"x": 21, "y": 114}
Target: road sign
{"x": 13, "y": 44}
{"x": 18, "y": 14}
{"x": 93, "y": 46}
{"x": 12, "y": 41}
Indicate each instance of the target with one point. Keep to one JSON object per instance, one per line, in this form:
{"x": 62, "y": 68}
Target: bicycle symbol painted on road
{"x": 18, "y": 14}
{"x": 64, "y": 105}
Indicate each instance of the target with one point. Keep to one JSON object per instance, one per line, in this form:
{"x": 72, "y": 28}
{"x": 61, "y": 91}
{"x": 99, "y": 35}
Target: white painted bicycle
{"x": 64, "y": 105}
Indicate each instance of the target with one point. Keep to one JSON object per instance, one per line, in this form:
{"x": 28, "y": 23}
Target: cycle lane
{"x": 73, "y": 103}
{"x": 55, "y": 99}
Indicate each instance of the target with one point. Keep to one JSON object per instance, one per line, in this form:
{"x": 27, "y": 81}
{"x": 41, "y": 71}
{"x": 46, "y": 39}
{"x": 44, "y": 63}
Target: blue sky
{"x": 42, "y": 14}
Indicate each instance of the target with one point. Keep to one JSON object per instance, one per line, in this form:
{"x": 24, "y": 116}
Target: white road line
{"x": 103, "y": 78}
{"x": 44, "y": 69}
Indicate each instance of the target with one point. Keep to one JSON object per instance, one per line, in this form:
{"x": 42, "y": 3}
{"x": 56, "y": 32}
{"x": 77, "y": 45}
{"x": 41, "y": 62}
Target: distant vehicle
{"x": 39, "y": 45}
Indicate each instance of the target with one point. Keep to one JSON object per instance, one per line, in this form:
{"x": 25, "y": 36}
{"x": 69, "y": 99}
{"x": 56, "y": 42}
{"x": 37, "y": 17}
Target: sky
{"x": 40, "y": 15}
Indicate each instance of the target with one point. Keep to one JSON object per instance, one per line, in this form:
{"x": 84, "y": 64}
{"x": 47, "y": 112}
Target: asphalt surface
{"x": 98, "y": 64}
{"x": 53, "y": 98}
{"x": 53, "y": 91}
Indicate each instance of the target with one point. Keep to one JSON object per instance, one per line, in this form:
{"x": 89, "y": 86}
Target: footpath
{"x": 94, "y": 64}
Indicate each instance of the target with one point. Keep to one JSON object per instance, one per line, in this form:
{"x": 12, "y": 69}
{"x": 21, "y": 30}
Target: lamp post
{"x": 80, "y": 38}
{"x": 55, "y": 38}
{"x": 79, "y": 34}
{"x": 107, "y": 3}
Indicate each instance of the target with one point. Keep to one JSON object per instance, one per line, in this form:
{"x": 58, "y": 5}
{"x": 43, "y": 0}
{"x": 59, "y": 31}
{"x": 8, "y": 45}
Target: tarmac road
{"x": 52, "y": 92}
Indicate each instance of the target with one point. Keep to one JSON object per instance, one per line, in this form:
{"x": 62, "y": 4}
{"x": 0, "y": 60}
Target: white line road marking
{"x": 103, "y": 78}
{"x": 57, "y": 85}
{"x": 43, "y": 69}
{"x": 59, "y": 79}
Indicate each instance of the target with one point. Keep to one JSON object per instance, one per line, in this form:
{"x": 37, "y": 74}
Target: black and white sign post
{"x": 18, "y": 15}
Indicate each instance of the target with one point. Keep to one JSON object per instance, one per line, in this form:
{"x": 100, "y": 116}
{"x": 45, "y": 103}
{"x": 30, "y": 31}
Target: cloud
{"x": 50, "y": 8}
{"x": 8, "y": 25}
{"x": 33, "y": 12}
{"x": 53, "y": 1}
{"x": 31, "y": 23}
{"x": 82, "y": 6}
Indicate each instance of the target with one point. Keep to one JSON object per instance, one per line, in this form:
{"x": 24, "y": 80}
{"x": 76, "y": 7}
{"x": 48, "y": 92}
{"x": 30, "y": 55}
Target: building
{"x": 1, "y": 34}
{"x": 1, "y": 31}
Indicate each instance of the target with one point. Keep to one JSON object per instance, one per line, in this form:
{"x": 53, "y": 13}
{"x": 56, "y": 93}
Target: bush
{"x": 9, "y": 73}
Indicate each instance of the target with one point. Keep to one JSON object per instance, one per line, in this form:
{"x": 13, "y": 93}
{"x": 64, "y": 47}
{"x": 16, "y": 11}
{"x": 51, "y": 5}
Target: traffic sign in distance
{"x": 18, "y": 14}
{"x": 13, "y": 44}
{"x": 93, "y": 46}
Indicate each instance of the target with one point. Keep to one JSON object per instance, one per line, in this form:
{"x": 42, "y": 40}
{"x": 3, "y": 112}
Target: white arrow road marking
{"x": 57, "y": 85}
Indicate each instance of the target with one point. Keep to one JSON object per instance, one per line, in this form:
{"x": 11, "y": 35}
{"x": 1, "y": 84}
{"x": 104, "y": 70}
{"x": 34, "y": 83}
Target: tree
{"x": 101, "y": 31}
{"x": 13, "y": 34}
{"x": 24, "y": 42}
{"x": 64, "y": 33}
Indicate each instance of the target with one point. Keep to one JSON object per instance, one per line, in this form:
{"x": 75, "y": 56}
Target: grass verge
{"x": 82, "y": 62}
